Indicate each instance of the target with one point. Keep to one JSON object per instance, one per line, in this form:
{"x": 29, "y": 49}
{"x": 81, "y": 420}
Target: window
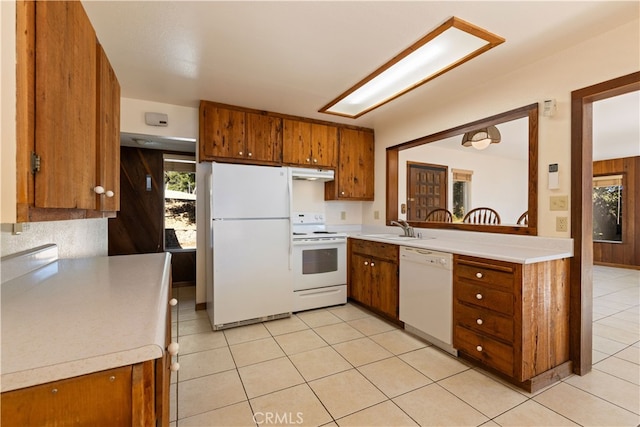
{"x": 461, "y": 193}
{"x": 179, "y": 202}
{"x": 607, "y": 208}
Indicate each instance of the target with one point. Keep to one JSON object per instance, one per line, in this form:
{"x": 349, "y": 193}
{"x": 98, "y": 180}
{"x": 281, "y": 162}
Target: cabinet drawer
{"x": 502, "y": 276}
{"x": 482, "y": 296}
{"x": 484, "y": 321}
{"x": 484, "y": 349}
{"x": 375, "y": 249}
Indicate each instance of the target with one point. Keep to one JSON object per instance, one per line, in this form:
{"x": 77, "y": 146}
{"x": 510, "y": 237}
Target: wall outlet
{"x": 562, "y": 223}
{"x": 343, "y": 215}
{"x": 559, "y": 203}
{"x": 376, "y": 214}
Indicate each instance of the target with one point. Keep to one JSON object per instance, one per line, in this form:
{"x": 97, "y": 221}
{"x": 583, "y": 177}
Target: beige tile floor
{"x": 343, "y": 366}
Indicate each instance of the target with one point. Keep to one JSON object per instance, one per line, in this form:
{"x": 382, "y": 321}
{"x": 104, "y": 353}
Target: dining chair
{"x": 439, "y": 215}
{"x": 523, "y": 219}
{"x": 481, "y": 216}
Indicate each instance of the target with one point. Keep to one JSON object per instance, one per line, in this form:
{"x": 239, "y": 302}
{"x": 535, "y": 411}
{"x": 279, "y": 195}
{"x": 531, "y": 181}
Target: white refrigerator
{"x": 251, "y": 245}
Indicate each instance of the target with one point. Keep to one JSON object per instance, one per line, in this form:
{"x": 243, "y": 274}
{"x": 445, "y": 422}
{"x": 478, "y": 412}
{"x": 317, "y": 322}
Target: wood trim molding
{"x": 581, "y": 288}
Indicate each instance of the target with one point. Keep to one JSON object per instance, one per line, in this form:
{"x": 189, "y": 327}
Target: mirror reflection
{"x": 480, "y": 176}
{"x": 473, "y": 178}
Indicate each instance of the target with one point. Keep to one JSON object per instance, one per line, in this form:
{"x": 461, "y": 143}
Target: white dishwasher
{"x": 426, "y": 295}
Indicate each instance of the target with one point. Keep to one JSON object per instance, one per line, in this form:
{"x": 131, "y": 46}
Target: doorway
{"x": 582, "y": 212}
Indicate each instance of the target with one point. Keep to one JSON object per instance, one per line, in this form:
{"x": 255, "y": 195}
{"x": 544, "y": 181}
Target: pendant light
{"x": 481, "y": 138}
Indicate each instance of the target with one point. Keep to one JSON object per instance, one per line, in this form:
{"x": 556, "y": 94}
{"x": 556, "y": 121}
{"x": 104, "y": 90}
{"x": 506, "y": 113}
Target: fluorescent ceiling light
{"x": 443, "y": 49}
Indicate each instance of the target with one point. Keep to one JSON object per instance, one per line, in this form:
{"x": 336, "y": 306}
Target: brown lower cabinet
{"x": 124, "y": 396}
{"x": 373, "y": 276}
{"x": 513, "y": 319}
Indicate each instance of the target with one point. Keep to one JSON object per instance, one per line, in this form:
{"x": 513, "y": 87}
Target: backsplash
{"x": 75, "y": 238}
{"x": 308, "y": 196}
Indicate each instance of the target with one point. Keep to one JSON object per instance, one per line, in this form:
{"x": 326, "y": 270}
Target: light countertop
{"x": 77, "y": 316}
{"x": 516, "y": 251}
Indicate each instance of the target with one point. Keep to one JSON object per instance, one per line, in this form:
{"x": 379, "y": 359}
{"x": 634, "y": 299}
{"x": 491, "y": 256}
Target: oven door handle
{"x": 323, "y": 242}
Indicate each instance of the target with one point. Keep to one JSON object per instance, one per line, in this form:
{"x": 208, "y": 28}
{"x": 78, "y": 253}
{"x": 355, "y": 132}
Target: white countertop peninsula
{"x": 72, "y": 317}
{"x": 502, "y": 247}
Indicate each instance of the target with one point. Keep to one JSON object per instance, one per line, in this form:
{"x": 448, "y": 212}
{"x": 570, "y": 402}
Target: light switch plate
{"x": 559, "y": 203}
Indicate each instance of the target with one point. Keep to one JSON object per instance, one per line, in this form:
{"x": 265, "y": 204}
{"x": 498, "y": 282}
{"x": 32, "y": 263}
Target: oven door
{"x": 319, "y": 263}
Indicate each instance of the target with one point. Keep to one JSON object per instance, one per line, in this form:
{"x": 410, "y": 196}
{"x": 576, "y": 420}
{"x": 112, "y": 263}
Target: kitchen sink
{"x": 390, "y": 236}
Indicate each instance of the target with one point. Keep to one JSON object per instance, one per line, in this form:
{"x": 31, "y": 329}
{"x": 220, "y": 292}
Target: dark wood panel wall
{"x": 626, "y": 253}
{"x": 139, "y": 226}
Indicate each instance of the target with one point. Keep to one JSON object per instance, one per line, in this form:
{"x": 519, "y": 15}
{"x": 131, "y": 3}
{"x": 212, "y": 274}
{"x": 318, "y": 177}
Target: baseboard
{"x": 201, "y": 306}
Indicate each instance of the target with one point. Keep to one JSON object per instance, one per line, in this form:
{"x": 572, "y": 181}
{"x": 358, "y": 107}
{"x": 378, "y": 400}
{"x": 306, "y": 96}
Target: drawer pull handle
{"x": 173, "y": 302}
{"x": 479, "y": 322}
{"x": 479, "y": 348}
{"x": 175, "y": 366}
{"x": 366, "y": 263}
{"x": 478, "y": 296}
{"x": 479, "y": 275}
{"x": 173, "y": 348}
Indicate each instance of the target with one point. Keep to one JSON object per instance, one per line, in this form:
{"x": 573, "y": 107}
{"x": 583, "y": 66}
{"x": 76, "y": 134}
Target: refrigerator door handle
{"x": 290, "y": 195}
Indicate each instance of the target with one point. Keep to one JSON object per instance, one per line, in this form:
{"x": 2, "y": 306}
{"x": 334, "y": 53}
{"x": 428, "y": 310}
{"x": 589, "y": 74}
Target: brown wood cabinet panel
{"x": 264, "y": 138}
{"x": 222, "y": 132}
{"x": 324, "y": 145}
{"x": 296, "y": 142}
{"x": 354, "y": 174}
{"x": 545, "y": 316}
{"x": 360, "y": 286}
{"x": 95, "y": 399}
{"x": 65, "y": 106}
{"x": 375, "y": 249}
{"x": 485, "y": 297}
{"x": 493, "y": 353}
{"x": 485, "y": 322}
{"x": 492, "y": 275}
{"x": 385, "y": 287}
{"x": 108, "y": 134}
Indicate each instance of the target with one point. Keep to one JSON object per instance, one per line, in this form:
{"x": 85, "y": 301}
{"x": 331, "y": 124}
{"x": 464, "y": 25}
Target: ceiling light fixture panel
{"x": 443, "y": 49}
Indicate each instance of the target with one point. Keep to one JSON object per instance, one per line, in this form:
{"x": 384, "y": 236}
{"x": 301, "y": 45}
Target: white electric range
{"x": 319, "y": 263}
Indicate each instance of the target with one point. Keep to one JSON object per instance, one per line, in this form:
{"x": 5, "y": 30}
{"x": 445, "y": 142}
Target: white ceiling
{"x": 293, "y": 57}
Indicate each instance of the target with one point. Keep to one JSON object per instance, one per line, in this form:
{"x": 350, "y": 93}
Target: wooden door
{"x": 264, "y": 138}
{"x": 426, "y": 189}
{"x": 354, "y": 176}
{"x": 65, "y": 106}
{"x": 296, "y": 142}
{"x": 385, "y": 287}
{"x": 360, "y": 279}
{"x": 324, "y": 145}
{"x": 108, "y": 134}
{"x": 222, "y": 132}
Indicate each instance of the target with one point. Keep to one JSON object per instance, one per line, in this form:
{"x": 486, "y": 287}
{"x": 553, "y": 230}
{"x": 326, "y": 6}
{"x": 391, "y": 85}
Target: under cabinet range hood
{"x": 310, "y": 174}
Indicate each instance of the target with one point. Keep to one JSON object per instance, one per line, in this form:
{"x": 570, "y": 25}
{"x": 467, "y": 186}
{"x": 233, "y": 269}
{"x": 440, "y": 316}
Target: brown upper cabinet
{"x": 68, "y": 115}
{"x": 235, "y": 134}
{"x": 354, "y": 174}
{"x": 229, "y": 134}
{"x": 309, "y": 144}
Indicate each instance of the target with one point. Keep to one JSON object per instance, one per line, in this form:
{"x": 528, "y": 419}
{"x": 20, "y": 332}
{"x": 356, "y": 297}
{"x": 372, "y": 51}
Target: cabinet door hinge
{"x": 35, "y": 163}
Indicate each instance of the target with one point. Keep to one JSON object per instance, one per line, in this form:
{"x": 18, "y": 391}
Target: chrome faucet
{"x": 408, "y": 230}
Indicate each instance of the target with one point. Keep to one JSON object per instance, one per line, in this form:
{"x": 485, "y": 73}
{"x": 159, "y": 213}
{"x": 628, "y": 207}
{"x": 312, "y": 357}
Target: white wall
{"x": 605, "y": 57}
{"x": 308, "y": 196}
{"x": 183, "y": 121}
{"x": 497, "y": 182}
